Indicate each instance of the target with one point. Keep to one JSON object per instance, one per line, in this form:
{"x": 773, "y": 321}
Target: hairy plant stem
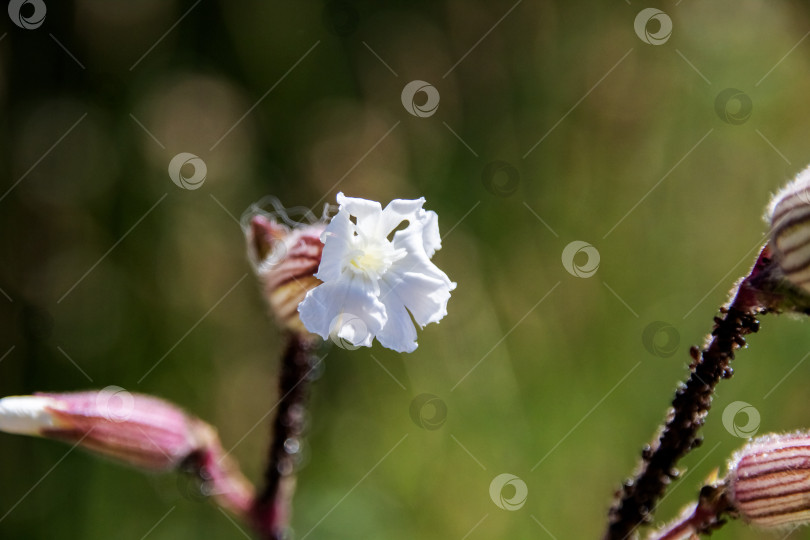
{"x": 703, "y": 517}
{"x": 636, "y": 500}
{"x": 272, "y": 507}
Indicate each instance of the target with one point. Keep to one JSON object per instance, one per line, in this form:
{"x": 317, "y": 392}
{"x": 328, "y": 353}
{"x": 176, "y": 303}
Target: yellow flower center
{"x": 374, "y": 256}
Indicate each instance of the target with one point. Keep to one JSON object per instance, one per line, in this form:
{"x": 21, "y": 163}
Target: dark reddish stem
{"x": 704, "y": 517}
{"x": 272, "y": 506}
{"x": 637, "y": 498}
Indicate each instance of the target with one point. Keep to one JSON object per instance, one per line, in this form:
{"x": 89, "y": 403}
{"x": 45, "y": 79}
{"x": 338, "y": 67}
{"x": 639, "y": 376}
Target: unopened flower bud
{"x": 138, "y": 430}
{"x": 135, "y": 429}
{"x": 769, "y": 480}
{"x": 789, "y": 217}
{"x": 285, "y": 255}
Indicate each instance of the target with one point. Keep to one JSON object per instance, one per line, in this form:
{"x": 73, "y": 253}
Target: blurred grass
{"x": 567, "y": 381}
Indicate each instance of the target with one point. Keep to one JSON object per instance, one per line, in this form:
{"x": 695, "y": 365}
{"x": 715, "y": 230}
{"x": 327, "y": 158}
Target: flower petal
{"x": 417, "y": 259}
{"x": 367, "y": 212}
{"x": 423, "y": 295}
{"x": 345, "y": 308}
{"x": 336, "y": 246}
{"x": 431, "y": 239}
{"x": 400, "y": 210}
{"x": 398, "y": 333}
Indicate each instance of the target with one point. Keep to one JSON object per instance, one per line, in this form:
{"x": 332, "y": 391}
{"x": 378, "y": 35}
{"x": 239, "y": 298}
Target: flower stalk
{"x": 272, "y": 507}
{"x": 637, "y": 498}
{"x": 703, "y": 517}
{"x": 778, "y": 282}
{"x": 285, "y": 254}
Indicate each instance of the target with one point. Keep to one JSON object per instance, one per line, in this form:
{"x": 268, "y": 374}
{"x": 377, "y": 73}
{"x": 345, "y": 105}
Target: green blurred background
{"x": 563, "y": 393}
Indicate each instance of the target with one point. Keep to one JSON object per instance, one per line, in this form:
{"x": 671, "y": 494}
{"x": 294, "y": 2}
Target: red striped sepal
{"x": 286, "y": 259}
{"x": 789, "y": 215}
{"x": 769, "y": 480}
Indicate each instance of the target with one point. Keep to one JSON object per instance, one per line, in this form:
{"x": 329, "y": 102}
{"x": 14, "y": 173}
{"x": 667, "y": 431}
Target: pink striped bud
{"x": 139, "y": 430}
{"x": 769, "y": 480}
{"x": 789, "y": 217}
{"x": 286, "y": 255}
{"x": 134, "y": 429}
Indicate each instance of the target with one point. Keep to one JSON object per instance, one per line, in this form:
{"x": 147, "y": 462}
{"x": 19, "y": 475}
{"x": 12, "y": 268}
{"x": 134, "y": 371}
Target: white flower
{"x": 377, "y": 277}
